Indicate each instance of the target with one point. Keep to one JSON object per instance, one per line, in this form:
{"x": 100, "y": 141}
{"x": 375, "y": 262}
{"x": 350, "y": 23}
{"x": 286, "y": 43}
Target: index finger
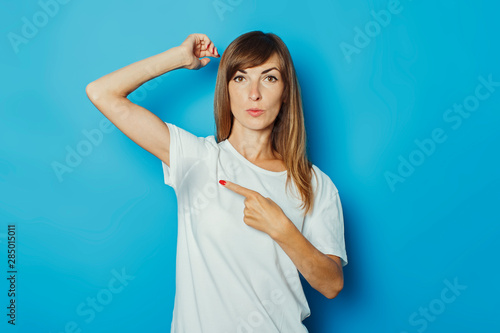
{"x": 246, "y": 192}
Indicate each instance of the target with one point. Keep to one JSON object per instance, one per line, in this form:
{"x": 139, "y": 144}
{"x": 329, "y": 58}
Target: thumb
{"x": 204, "y": 61}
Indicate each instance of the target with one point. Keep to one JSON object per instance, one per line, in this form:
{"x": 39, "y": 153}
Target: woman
{"x": 243, "y": 241}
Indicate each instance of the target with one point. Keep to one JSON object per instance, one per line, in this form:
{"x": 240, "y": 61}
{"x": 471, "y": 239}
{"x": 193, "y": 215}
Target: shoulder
{"x": 186, "y": 135}
{"x": 321, "y": 182}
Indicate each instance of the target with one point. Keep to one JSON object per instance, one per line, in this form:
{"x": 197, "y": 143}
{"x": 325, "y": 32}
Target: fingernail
{"x": 223, "y": 182}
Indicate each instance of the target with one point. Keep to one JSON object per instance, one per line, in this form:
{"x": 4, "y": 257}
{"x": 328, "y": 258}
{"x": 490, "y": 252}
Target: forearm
{"x": 322, "y": 272}
{"x": 127, "y": 79}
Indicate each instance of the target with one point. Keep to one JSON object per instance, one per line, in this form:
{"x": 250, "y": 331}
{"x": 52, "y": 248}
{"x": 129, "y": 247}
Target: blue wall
{"x": 399, "y": 114}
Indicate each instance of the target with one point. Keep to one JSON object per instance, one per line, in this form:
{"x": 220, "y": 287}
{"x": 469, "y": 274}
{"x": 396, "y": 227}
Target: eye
{"x": 273, "y": 77}
{"x": 238, "y": 77}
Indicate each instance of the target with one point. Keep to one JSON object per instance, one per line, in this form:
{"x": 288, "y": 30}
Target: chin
{"x": 254, "y": 123}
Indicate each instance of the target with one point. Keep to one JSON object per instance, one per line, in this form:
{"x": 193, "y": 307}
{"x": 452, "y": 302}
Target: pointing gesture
{"x": 260, "y": 212}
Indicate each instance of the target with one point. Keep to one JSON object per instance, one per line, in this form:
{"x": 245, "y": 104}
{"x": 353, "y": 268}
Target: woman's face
{"x": 258, "y": 87}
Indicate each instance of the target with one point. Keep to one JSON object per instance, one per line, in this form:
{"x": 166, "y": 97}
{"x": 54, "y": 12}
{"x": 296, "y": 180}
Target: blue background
{"x": 363, "y": 113}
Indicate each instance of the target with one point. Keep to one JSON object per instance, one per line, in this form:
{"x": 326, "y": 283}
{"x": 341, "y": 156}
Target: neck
{"x": 254, "y": 145}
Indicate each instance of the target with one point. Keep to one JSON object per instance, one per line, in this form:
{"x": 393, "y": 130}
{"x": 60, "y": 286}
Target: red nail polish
{"x": 223, "y": 182}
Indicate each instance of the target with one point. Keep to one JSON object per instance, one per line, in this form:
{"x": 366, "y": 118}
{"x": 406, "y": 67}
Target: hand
{"x": 261, "y": 213}
{"x": 197, "y": 46}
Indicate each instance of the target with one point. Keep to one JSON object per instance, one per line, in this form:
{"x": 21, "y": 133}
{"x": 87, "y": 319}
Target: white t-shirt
{"x": 230, "y": 277}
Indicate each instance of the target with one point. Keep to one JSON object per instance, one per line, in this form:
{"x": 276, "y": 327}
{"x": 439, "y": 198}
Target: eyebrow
{"x": 263, "y": 72}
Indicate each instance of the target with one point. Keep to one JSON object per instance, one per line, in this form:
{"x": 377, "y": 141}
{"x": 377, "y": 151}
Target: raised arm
{"x": 109, "y": 93}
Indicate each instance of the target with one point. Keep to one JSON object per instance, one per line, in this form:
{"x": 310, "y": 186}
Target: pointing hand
{"x": 260, "y": 212}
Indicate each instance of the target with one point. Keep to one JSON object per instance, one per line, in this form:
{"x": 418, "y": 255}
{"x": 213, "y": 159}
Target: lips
{"x": 255, "y": 112}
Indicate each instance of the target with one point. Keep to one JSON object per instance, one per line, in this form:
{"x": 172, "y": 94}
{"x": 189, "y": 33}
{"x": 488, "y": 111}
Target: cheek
{"x": 276, "y": 96}
{"x": 234, "y": 96}
{"x": 275, "y": 92}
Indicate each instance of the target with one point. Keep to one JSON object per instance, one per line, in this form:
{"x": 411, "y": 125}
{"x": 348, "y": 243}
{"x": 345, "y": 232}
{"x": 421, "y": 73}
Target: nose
{"x": 254, "y": 94}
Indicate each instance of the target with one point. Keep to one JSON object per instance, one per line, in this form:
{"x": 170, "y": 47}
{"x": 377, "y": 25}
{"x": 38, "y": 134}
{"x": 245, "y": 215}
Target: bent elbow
{"x": 332, "y": 294}
{"x": 91, "y": 91}
{"x": 335, "y": 290}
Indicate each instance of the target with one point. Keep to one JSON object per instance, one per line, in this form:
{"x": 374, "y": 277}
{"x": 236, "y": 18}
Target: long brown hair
{"x": 289, "y": 134}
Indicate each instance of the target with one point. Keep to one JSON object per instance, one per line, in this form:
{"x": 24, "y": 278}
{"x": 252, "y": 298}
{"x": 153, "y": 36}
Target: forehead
{"x": 273, "y": 61}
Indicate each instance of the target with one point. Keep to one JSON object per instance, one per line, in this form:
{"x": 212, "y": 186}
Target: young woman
{"x": 251, "y": 215}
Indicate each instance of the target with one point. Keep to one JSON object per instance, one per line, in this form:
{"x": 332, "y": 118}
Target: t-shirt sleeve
{"x": 324, "y": 225}
{"x": 186, "y": 150}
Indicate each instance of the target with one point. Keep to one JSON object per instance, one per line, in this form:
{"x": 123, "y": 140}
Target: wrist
{"x": 182, "y": 56}
{"x": 285, "y": 229}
